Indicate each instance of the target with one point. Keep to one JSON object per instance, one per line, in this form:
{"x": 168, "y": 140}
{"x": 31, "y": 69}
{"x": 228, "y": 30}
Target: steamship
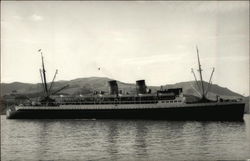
{"x": 165, "y": 104}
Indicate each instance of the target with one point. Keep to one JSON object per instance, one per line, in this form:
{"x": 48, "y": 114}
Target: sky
{"x": 126, "y": 41}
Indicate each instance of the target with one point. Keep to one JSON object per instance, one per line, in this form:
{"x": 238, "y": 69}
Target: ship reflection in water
{"x": 124, "y": 140}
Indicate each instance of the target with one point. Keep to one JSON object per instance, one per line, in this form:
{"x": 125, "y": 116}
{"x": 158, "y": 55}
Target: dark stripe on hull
{"x": 229, "y": 112}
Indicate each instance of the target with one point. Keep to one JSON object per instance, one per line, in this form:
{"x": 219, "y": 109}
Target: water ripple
{"x": 124, "y": 140}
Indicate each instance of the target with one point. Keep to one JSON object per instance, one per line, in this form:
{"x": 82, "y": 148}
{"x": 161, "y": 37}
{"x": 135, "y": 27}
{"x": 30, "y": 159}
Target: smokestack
{"x": 113, "y": 87}
{"x": 141, "y": 87}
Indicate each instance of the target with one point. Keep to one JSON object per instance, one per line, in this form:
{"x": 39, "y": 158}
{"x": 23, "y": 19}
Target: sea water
{"x": 124, "y": 140}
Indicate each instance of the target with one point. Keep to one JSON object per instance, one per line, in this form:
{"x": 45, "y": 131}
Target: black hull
{"x": 229, "y": 112}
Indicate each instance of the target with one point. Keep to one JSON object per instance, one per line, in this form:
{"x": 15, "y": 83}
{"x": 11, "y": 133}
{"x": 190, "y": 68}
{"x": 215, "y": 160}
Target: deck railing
{"x": 108, "y": 102}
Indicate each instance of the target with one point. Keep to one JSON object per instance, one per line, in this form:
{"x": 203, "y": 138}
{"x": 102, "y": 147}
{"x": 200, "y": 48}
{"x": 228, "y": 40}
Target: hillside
{"x": 247, "y": 108}
{"x": 88, "y": 85}
{"x": 191, "y": 88}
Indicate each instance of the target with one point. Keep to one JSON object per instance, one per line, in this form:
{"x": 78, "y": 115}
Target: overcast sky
{"x": 128, "y": 41}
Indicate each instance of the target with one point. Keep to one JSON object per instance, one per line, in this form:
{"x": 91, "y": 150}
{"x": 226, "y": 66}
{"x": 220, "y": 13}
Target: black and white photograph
{"x": 124, "y": 80}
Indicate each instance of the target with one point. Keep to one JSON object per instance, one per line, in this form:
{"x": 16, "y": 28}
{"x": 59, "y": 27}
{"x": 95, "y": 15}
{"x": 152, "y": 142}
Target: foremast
{"x": 48, "y": 91}
{"x": 44, "y": 75}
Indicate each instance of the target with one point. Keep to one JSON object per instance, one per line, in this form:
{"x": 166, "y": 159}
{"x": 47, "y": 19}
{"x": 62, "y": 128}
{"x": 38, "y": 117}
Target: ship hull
{"x": 224, "y": 112}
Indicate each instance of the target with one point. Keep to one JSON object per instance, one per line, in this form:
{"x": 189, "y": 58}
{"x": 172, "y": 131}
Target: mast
{"x": 200, "y": 71}
{"x": 210, "y": 82}
{"x": 53, "y": 81}
{"x": 196, "y": 79}
{"x": 42, "y": 80}
{"x": 44, "y": 74}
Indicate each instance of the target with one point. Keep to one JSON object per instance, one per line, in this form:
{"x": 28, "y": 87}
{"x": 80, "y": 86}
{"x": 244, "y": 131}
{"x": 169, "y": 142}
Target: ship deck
{"x": 160, "y": 104}
{"x": 231, "y": 111}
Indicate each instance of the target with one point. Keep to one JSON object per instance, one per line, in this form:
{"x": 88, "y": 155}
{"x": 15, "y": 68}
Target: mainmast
{"x": 209, "y": 83}
{"x": 198, "y": 86}
{"x": 200, "y": 72}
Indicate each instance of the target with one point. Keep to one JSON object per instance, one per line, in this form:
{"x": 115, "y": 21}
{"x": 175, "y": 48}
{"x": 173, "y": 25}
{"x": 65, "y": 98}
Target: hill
{"x": 192, "y": 88}
{"x": 90, "y": 84}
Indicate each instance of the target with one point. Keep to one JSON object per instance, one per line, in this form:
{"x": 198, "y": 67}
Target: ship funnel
{"x": 141, "y": 87}
{"x": 113, "y": 87}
